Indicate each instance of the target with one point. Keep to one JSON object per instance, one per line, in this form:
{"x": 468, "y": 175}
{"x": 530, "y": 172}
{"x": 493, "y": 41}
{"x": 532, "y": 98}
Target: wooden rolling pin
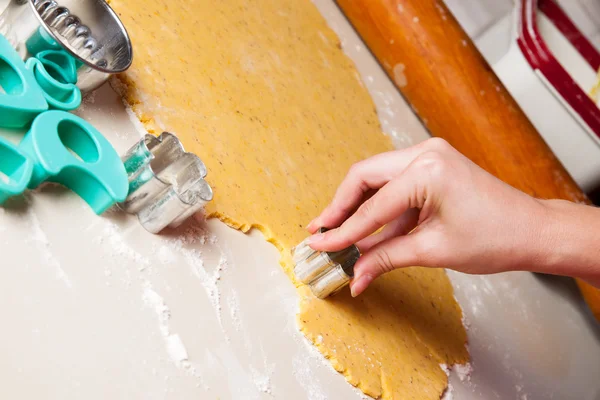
{"x": 458, "y": 97}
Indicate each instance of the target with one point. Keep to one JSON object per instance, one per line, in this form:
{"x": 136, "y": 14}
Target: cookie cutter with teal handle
{"x": 67, "y": 150}
{"x": 166, "y": 183}
{"x": 59, "y": 64}
{"x": 16, "y": 170}
{"x": 57, "y": 61}
{"x": 40, "y": 41}
{"x": 23, "y": 98}
{"x": 60, "y": 96}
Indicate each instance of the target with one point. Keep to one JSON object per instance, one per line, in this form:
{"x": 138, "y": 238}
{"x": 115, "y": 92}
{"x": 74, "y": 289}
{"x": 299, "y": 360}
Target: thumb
{"x": 398, "y": 252}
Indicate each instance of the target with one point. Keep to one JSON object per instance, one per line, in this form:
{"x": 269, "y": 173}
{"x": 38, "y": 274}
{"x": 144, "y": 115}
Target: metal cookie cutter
{"x": 88, "y": 30}
{"x": 326, "y": 273}
{"x": 166, "y": 184}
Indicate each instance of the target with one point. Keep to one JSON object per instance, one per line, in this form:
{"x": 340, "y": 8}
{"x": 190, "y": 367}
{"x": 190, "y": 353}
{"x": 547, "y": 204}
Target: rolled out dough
{"x": 263, "y": 93}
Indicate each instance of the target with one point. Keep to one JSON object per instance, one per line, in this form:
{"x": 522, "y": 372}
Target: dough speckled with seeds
{"x": 262, "y": 92}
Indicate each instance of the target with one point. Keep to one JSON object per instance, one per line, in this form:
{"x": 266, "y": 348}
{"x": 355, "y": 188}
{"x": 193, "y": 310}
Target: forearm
{"x": 568, "y": 241}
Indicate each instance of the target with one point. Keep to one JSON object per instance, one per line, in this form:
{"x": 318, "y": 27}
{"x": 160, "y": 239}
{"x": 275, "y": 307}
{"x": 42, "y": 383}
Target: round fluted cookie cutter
{"x": 88, "y": 30}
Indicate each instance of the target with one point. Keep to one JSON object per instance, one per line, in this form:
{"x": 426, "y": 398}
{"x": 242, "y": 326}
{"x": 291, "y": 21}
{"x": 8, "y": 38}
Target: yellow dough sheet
{"x": 263, "y": 93}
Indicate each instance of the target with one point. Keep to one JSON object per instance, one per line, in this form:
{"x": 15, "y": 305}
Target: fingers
{"x": 367, "y": 175}
{"x": 363, "y": 177}
{"x": 399, "y": 227}
{"x": 334, "y": 223}
{"x": 398, "y": 252}
{"x": 389, "y": 203}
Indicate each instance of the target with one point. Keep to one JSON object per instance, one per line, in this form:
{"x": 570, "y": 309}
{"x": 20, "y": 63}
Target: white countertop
{"x": 96, "y": 307}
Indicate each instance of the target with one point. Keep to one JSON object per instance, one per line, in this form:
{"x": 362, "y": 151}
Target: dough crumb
{"x": 400, "y": 76}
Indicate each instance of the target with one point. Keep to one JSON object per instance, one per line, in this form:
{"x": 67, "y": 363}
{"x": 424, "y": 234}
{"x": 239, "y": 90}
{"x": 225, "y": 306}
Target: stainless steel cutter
{"x": 166, "y": 183}
{"x": 326, "y": 273}
{"x": 89, "y": 30}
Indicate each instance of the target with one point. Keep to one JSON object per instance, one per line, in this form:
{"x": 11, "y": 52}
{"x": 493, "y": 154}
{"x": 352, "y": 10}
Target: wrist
{"x": 566, "y": 240}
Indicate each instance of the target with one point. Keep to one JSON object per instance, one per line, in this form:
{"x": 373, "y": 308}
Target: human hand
{"x": 437, "y": 209}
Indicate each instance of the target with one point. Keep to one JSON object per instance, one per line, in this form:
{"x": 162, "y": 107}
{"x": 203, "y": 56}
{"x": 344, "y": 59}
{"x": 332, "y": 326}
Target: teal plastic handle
{"x": 67, "y": 150}
{"x": 40, "y": 41}
{"x": 59, "y": 64}
{"x": 22, "y": 98}
{"x": 15, "y": 171}
{"x": 60, "y": 96}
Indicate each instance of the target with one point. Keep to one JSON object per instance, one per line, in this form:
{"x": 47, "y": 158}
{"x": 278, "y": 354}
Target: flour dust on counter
{"x": 279, "y": 114}
{"x": 42, "y": 243}
{"x": 175, "y": 347}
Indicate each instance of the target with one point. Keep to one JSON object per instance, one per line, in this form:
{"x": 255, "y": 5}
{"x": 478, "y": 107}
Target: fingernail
{"x": 310, "y": 225}
{"x": 360, "y": 284}
{"x": 315, "y": 238}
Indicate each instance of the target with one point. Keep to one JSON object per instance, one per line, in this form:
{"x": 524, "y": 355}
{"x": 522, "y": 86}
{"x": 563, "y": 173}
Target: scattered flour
{"x": 38, "y": 236}
{"x": 305, "y": 365}
{"x": 120, "y": 248}
{"x": 233, "y": 304}
{"x": 165, "y": 255}
{"x": 186, "y": 243}
{"x": 462, "y": 371}
{"x": 306, "y": 378}
{"x": 87, "y": 101}
{"x": 262, "y": 381}
{"x": 173, "y": 343}
{"x": 387, "y": 107}
{"x": 193, "y": 234}
{"x": 154, "y": 300}
{"x": 448, "y": 393}
{"x": 191, "y": 370}
{"x": 90, "y": 98}
{"x": 176, "y": 348}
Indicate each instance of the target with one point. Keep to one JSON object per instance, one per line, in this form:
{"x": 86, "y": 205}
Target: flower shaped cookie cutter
{"x": 166, "y": 183}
